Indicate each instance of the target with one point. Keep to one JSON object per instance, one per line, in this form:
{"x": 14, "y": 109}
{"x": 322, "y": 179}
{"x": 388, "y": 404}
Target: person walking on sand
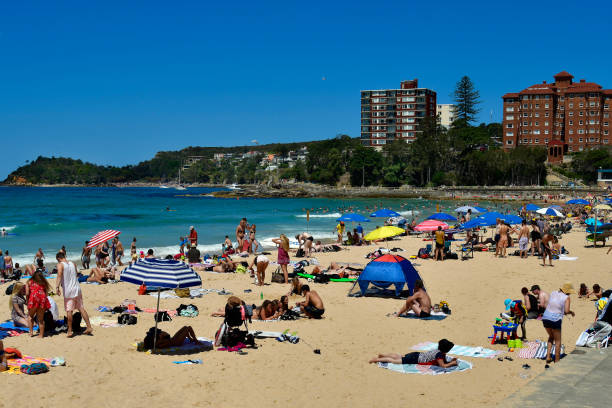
{"x": 85, "y": 256}
{"x": 119, "y": 250}
{"x": 73, "y": 298}
{"x": 546, "y": 249}
{"x": 240, "y": 232}
{"x": 558, "y": 306}
{"x": 340, "y": 232}
{"x": 283, "y": 254}
{"x": 439, "y": 238}
{"x": 523, "y": 239}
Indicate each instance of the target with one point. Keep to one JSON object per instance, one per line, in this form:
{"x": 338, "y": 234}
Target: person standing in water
{"x": 118, "y": 250}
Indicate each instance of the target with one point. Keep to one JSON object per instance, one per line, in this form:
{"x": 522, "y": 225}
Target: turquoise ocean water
{"x": 51, "y": 217}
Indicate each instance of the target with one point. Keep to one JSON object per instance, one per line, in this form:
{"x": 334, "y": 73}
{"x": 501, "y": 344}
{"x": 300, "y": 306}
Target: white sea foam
{"x": 409, "y": 212}
{"x": 329, "y": 215}
{"x": 8, "y": 228}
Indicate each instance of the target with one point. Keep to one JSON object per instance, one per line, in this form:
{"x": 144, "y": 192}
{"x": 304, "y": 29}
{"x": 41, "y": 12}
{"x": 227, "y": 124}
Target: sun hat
{"x": 508, "y": 303}
{"x": 568, "y": 288}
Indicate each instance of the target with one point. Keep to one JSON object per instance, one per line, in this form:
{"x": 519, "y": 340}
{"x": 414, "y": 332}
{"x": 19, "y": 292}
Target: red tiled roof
{"x": 563, "y": 74}
{"x": 511, "y": 95}
{"x": 607, "y": 91}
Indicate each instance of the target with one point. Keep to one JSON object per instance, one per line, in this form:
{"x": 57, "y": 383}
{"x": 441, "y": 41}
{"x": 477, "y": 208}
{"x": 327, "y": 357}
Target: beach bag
{"x": 9, "y": 289}
{"x": 290, "y": 315}
{"x": 187, "y": 310}
{"x": 128, "y": 319}
{"x": 162, "y": 317}
{"x": 241, "y": 269}
{"x": 277, "y": 276}
{"x": 76, "y": 322}
{"x": 300, "y": 253}
{"x": 33, "y": 369}
{"x": 423, "y": 253}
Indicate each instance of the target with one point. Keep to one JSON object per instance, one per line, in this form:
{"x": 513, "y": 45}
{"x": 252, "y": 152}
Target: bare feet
{"x": 70, "y": 335}
{"x": 88, "y": 332}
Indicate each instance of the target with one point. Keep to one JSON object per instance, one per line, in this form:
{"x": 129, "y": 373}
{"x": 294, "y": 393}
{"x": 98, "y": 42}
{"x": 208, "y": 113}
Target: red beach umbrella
{"x": 101, "y": 237}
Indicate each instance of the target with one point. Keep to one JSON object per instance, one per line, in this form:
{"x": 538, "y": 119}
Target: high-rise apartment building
{"x": 394, "y": 114}
{"x": 446, "y": 114}
{"x": 565, "y": 116}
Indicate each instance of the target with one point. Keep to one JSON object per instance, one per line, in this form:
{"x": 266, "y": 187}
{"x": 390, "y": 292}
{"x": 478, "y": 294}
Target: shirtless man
{"x": 118, "y": 251}
{"x": 99, "y": 275}
{"x": 546, "y": 249}
{"x": 240, "y": 231}
{"x": 419, "y": 302}
{"x": 312, "y": 305}
{"x": 306, "y": 240}
{"x": 502, "y": 243}
{"x": 523, "y": 239}
{"x": 86, "y": 256}
{"x": 542, "y": 298}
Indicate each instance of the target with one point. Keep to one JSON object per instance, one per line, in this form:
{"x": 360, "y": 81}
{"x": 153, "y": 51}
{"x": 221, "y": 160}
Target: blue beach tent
{"x": 381, "y": 273}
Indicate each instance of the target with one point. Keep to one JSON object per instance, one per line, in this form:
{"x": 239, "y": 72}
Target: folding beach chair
{"x": 467, "y": 251}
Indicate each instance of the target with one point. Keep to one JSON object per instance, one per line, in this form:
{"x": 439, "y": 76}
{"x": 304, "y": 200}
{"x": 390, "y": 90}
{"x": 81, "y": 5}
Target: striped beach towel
{"x": 426, "y": 369}
{"x": 529, "y": 349}
{"x": 14, "y": 364}
{"x": 465, "y": 351}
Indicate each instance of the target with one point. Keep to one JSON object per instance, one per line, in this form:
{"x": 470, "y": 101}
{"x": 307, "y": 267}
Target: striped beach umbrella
{"x": 160, "y": 273}
{"x": 101, "y": 237}
{"x": 431, "y": 225}
{"x": 550, "y": 211}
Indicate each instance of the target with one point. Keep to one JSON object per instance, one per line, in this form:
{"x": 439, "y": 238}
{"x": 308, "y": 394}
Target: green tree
{"x": 467, "y": 99}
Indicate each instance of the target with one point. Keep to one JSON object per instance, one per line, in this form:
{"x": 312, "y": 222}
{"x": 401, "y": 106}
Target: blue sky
{"x": 115, "y": 82}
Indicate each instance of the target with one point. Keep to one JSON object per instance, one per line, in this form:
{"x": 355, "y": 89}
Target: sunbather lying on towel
{"x": 419, "y": 302}
{"x": 434, "y": 357}
{"x": 164, "y": 340}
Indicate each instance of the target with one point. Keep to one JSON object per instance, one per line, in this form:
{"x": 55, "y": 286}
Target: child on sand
{"x": 433, "y": 357}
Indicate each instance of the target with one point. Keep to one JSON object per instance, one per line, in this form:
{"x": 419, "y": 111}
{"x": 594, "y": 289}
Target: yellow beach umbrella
{"x": 604, "y": 207}
{"x": 384, "y": 232}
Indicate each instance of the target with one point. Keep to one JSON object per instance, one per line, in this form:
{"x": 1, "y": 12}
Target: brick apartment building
{"x": 565, "y": 116}
{"x": 394, "y": 114}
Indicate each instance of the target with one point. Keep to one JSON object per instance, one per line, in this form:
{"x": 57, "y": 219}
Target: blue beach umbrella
{"x": 580, "y": 201}
{"x": 474, "y": 223}
{"x": 442, "y": 217}
{"x": 160, "y": 273}
{"x": 353, "y": 217}
{"x": 480, "y": 209}
{"x": 385, "y": 213}
{"x": 512, "y": 219}
{"x": 555, "y": 206}
{"x": 550, "y": 211}
{"x": 532, "y": 207}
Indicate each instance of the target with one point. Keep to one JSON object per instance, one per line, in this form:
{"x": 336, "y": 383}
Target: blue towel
{"x": 9, "y": 325}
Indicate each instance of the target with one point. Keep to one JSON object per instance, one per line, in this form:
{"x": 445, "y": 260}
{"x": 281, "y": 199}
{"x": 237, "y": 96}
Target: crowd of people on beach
{"x": 31, "y": 303}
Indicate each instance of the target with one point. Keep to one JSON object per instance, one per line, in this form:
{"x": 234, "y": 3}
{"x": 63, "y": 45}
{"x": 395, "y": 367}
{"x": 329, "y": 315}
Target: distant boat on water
{"x": 163, "y": 186}
{"x": 179, "y": 186}
{"x": 233, "y": 186}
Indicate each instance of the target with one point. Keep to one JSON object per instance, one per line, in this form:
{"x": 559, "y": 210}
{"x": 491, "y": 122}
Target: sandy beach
{"x": 106, "y": 370}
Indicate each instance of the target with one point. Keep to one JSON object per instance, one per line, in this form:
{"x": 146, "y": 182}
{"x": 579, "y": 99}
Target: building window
{"x": 581, "y": 131}
{"x": 571, "y": 122}
{"x": 605, "y": 123}
{"x": 571, "y": 139}
{"x": 508, "y": 142}
{"x": 546, "y": 132}
{"x": 571, "y": 132}
{"x": 537, "y": 105}
{"x": 509, "y": 109}
{"x": 546, "y": 114}
{"x": 536, "y": 132}
{"x": 581, "y": 122}
{"x": 571, "y": 113}
{"x": 537, "y": 115}
{"x": 509, "y": 125}
{"x": 606, "y": 106}
{"x": 525, "y": 124}
{"x": 536, "y": 141}
{"x": 509, "y": 133}
{"x": 571, "y": 105}
{"x": 510, "y": 117}
{"x": 525, "y": 106}
{"x": 580, "y": 140}
{"x": 546, "y": 105}
{"x": 581, "y": 105}
{"x": 570, "y": 148}
{"x": 525, "y": 132}
{"x": 536, "y": 124}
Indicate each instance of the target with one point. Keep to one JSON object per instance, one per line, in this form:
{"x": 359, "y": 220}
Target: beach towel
{"x": 199, "y": 292}
{"x": 564, "y": 257}
{"x": 9, "y": 325}
{"x": 465, "y": 351}
{"x": 172, "y": 313}
{"x": 529, "y": 349}
{"x": 14, "y": 364}
{"x": 186, "y": 348}
{"x": 258, "y": 334}
{"x": 434, "y": 316}
{"x": 104, "y": 322}
{"x": 426, "y": 369}
{"x": 267, "y": 321}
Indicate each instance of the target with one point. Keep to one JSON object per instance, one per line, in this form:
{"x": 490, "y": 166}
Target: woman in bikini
{"x": 267, "y": 311}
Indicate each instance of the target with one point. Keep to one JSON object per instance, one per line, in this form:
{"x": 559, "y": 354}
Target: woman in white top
{"x": 558, "y": 306}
